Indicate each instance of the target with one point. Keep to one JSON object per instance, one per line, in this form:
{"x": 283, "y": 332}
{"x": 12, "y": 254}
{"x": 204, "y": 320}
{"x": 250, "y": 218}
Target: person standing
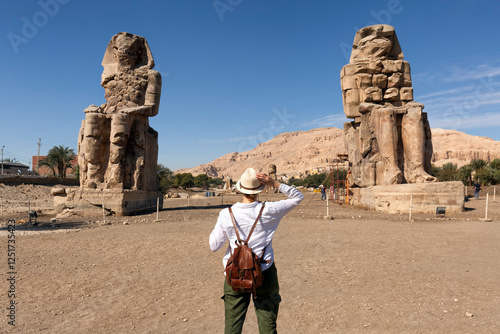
{"x": 267, "y": 300}
{"x": 323, "y": 192}
{"x": 477, "y": 188}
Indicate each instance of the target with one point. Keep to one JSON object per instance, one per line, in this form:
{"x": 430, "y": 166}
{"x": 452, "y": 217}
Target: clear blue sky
{"x": 239, "y": 74}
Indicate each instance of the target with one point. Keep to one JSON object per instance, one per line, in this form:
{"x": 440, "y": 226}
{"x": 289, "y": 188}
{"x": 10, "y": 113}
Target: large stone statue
{"x": 389, "y": 141}
{"x": 117, "y": 147}
{"x": 272, "y": 172}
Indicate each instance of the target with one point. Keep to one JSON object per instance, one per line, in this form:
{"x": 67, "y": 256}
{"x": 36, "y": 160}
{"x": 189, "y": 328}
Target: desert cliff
{"x": 301, "y": 152}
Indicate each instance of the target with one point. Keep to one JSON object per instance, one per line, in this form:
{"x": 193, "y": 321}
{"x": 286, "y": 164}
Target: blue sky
{"x": 237, "y": 72}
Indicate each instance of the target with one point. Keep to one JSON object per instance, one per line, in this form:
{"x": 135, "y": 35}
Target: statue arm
{"x": 152, "y": 99}
{"x": 153, "y": 92}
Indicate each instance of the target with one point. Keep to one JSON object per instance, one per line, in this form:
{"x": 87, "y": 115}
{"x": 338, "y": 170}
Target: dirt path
{"x": 363, "y": 272}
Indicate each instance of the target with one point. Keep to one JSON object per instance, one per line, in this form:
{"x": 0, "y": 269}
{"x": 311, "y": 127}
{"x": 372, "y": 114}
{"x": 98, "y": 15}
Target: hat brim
{"x": 247, "y": 191}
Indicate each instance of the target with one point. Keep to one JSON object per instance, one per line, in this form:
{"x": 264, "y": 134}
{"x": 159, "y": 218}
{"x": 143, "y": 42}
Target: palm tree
{"x": 495, "y": 164}
{"x": 449, "y": 172}
{"x": 477, "y": 164}
{"x": 59, "y": 157}
{"x": 466, "y": 174}
{"x": 49, "y": 163}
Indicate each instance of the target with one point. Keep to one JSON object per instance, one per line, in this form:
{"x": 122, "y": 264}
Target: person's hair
{"x": 252, "y": 197}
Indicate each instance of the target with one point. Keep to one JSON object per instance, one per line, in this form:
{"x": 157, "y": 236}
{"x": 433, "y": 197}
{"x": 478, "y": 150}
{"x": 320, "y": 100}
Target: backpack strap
{"x": 256, "y": 220}
{"x": 235, "y": 225}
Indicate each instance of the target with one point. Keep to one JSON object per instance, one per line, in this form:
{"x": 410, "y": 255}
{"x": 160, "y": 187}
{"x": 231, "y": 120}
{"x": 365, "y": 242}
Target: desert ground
{"x": 361, "y": 272}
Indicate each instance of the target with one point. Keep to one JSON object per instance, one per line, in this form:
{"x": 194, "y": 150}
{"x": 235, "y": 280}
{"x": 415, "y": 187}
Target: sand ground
{"x": 362, "y": 272}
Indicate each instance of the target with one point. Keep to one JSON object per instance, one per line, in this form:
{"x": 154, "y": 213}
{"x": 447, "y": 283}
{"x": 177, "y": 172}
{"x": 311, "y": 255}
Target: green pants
{"x": 266, "y": 305}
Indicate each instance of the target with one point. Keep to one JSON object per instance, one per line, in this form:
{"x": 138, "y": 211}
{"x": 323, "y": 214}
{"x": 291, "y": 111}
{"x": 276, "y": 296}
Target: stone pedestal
{"x": 120, "y": 203}
{"x": 426, "y": 197}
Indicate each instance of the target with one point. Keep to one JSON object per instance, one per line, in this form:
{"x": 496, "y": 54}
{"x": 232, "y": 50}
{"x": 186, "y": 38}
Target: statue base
{"x": 89, "y": 202}
{"x": 425, "y": 197}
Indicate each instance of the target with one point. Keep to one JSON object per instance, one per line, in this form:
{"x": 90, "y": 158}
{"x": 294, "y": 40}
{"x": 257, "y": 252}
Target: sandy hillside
{"x": 363, "y": 272}
{"x": 296, "y": 152}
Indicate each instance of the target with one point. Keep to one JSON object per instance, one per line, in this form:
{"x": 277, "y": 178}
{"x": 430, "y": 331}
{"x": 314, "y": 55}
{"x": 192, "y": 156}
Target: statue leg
{"x": 91, "y": 148}
{"x": 383, "y": 123}
{"x": 139, "y": 164}
{"x": 120, "y": 130}
{"x": 413, "y": 135}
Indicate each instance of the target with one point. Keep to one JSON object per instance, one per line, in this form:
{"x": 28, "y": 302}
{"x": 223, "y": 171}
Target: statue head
{"x": 126, "y": 51}
{"x": 376, "y": 42}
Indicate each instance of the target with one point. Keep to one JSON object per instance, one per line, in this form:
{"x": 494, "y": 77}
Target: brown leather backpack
{"x": 243, "y": 270}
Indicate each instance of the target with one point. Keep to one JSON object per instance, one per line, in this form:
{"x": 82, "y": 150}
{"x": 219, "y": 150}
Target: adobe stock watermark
{"x": 275, "y": 126}
{"x": 483, "y": 90}
{"x": 31, "y": 26}
{"x": 11, "y": 273}
{"x": 383, "y": 16}
{"x": 223, "y": 6}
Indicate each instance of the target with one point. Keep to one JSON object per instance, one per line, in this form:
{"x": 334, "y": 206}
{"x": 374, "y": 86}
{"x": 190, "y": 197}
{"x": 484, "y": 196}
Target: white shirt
{"x": 245, "y": 215}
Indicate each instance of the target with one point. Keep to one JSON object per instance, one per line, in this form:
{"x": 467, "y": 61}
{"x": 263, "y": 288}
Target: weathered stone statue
{"x": 389, "y": 141}
{"x": 272, "y": 172}
{"x": 117, "y": 147}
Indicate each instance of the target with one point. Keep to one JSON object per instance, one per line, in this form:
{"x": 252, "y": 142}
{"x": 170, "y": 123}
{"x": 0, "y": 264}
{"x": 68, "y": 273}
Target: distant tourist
{"x": 323, "y": 192}
{"x": 246, "y": 215}
{"x": 477, "y": 188}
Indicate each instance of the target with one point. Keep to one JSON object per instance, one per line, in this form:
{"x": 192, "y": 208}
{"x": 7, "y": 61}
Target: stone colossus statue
{"x": 389, "y": 141}
{"x": 117, "y": 149}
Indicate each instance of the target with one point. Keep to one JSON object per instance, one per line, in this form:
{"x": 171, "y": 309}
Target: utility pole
{"x": 38, "y": 156}
{"x": 2, "y": 158}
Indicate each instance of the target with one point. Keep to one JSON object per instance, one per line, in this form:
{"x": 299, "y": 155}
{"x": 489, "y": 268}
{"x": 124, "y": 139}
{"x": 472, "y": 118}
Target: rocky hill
{"x": 301, "y": 152}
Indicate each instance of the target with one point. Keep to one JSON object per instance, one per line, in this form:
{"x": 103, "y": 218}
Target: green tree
{"x": 314, "y": 180}
{"x": 165, "y": 178}
{"x": 465, "y": 173}
{"x": 183, "y": 180}
{"x": 215, "y": 182}
{"x": 76, "y": 172}
{"x": 485, "y": 175}
{"x": 494, "y": 167}
{"x": 435, "y": 170}
{"x": 494, "y": 164}
{"x": 496, "y": 176}
{"x": 201, "y": 180}
{"x": 59, "y": 158}
{"x": 448, "y": 172}
{"x": 477, "y": 164}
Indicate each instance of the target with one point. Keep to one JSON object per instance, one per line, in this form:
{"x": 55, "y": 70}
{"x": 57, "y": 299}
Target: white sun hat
{"x": 249, "y": 183}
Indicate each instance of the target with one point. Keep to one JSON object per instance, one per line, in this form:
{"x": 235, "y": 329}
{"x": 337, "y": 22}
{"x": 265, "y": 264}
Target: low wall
{"x": 426, "y": 197}
{"x": 38, "y": 180}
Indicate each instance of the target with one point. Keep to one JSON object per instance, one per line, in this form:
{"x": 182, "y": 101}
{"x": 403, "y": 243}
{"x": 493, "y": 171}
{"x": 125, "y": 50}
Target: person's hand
{"x": 265, "y": 179}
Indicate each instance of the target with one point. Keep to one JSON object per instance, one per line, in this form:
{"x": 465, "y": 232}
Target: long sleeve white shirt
{"x": 245, "y": 215}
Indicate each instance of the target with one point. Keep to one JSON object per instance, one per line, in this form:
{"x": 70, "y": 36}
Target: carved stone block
{"x": 395, "y": 80}
{"x": 348, "y": 82}
{"x": 406, "y": 93}
{"x": 372, "y": 94}
{"x": 351, "y": 102}
{"x": 391, "y": 94}
{"x": 379, "y": 80}
{"x": 392, "y": 66}
{"x": 406, "y": 74}
{"x": 363, "y": 80}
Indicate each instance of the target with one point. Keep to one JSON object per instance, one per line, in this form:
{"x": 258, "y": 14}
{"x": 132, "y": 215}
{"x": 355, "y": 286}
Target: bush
{"x": 315, "y": 180}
